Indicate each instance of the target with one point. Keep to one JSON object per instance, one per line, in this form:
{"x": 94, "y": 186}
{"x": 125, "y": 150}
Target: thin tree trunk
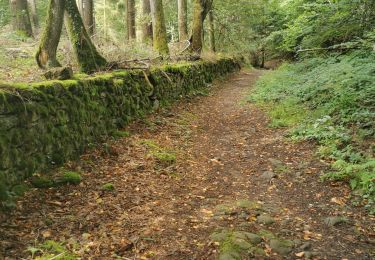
{"x": 88, "y": 16}
{"x": 201, "y": 9}
{"x": 197, "y": 42}
{"x": 147, "y": 24}
{"x": 34, "y": 13}
{"x": 20, "y": 17}
{"x": 87, "y": 56}
{"x": 130, "y": 18}
{"x": 212, "y": 30}
{"x": 159, "y": 28}
{"x": 182, "y": 20}
{"x": 46, "y": 54}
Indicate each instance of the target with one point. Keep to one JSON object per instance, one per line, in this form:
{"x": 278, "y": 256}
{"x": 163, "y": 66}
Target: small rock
{"x": 268, "y": 175}
{"x": 305, "y": 246}
{"x": 281, "y": 247}
{"x": 254, "y": 238}
{"x": 275, "y": 162}
{"x": 285, "y": 222}
{"x": 265, "y": 219}
{"x": 334, "y": 221}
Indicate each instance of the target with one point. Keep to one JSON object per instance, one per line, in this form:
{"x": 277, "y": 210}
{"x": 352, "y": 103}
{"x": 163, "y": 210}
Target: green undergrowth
{"x": 51, "y": 250}
{"x": 330, "y": 100}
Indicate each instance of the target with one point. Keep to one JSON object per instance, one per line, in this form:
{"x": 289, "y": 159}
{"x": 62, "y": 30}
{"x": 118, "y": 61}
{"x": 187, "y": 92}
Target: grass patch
{"x": 162, "y": 156}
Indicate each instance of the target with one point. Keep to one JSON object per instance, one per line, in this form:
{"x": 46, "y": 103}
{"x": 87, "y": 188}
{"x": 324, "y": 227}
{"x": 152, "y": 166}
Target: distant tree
{"x": 182, "y": 20}
{"x": 159, "y": 28}
{"x": 46, "y": 54}
{"x": 34, "y": 13}
{"x": 130, "y": 18}
{"x": 201, "y": 9}
{"x": 20, "y": 17}
{"x": 87, "y": 56}
{"x": 88, "y": 16}
{"x": 146, "y": 21}
{"x": 211, "y": 29}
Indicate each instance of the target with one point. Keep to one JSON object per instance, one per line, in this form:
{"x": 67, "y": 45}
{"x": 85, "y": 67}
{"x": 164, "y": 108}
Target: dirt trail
{"x": 237, "y": 190}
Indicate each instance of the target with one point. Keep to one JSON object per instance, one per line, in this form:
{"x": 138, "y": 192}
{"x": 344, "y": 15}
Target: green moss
{"x": 71, "y": 178}
{"x": 165, "y": 157}
{"x": 108, "y": 187}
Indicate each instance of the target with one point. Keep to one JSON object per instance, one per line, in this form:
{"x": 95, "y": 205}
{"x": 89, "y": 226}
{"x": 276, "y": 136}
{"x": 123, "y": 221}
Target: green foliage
{"x": 329, "y": 100}
{"x": 120, "y": 134}
{"x": 51, "y": 250}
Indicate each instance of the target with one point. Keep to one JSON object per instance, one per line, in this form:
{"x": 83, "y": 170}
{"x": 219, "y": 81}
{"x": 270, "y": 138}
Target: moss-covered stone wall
{"x": 44, "y": 124}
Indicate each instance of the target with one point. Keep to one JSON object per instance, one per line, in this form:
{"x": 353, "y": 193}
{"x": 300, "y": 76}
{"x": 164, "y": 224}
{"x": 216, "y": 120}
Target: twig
{"x": 166, "y": 75}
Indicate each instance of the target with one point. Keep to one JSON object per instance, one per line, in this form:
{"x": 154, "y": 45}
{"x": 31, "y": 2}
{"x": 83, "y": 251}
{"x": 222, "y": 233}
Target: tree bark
{"x": 201, "y": 9}
{"x": 211, "y": 25}
{"x": 34, "y": 13}
{"x": 87, "y": 56}
{"x": 88, "y": 16}
{"x": 130, "y": 18}
{"x": 159, "y": 28}
{"x": 46, "y": 54}
{"x": 147, "y": 24}
{"x": 21, "y": 17}
{"x": 182, "y": 20}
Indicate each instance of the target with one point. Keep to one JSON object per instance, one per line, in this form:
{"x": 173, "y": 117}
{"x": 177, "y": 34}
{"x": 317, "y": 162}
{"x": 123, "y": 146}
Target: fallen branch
{"x": 329, "y": 48}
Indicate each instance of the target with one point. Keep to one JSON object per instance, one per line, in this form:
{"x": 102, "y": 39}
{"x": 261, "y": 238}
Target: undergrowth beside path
{"x": 330, "y": 100}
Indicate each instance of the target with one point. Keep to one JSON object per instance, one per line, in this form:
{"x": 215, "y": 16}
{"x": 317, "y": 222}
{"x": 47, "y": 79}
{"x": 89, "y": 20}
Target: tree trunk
{"x": 88, "y": 16}
{"x": 87, "y": 56}
{"x": 34, "y": 13}
{"x": 201, "y": 9}
{"x": 46, "y": 54}
{"x": 182, "y": 20}
{"x": 160, "y": 31}
{"x": 211, "y": 31}
{"x": 147, "y": 24}
{"x": 197, "y": 42}
{"x": 130, "y": 18}
{"x": 20, "y": 17}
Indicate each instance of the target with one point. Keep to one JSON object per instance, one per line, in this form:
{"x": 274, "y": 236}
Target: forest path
{"x": 237, "y": 186}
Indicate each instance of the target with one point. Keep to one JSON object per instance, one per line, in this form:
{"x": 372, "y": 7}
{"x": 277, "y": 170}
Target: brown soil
{"x": 163, "y": 210}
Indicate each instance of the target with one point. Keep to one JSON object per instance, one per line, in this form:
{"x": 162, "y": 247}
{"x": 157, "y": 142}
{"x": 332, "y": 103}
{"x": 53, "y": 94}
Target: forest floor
{"x": 237, "y": 189}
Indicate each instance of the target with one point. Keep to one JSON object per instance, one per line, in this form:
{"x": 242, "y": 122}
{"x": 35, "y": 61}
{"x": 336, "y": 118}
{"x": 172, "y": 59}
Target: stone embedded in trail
{"x": 306, "y": 246}
{"x": 282, "y": 247}
{"x": 268, "y": 175}
{"x": 265, "y": 219}
{"x": 275, "y": 162}
{"x": 334, "y": 221}
{"x": 229, "y": 256}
